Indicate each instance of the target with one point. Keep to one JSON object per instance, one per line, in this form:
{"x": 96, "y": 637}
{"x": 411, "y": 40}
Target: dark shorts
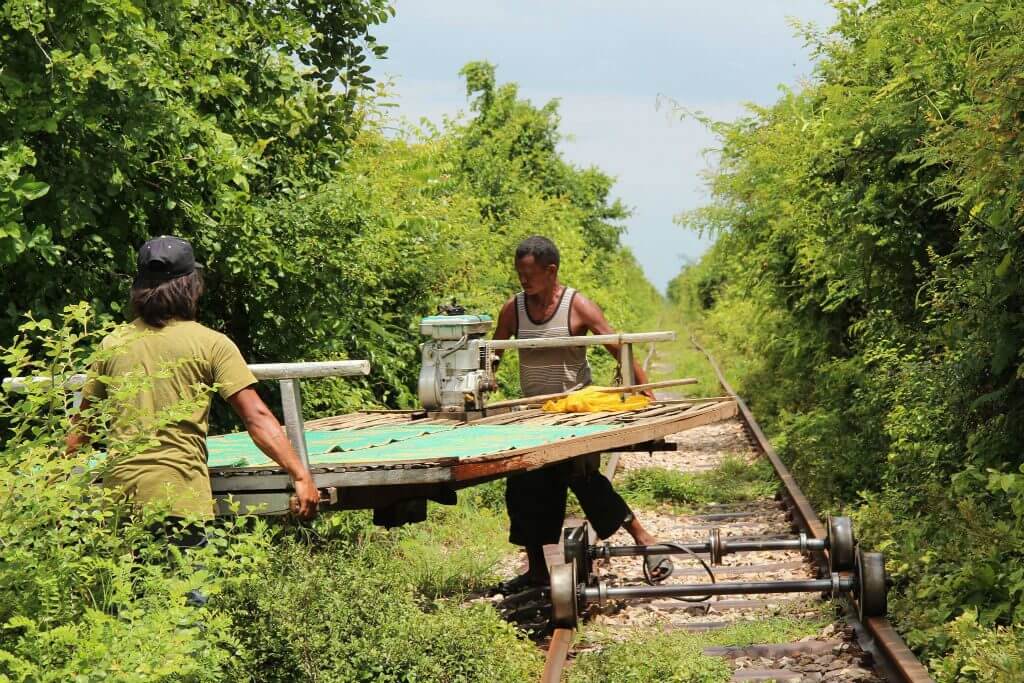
{"x": 175, "y": 531}
{"x": 536, "y": 501}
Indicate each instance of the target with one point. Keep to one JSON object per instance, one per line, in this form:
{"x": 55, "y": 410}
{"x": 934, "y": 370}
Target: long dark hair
{"x": 158, "y": 302}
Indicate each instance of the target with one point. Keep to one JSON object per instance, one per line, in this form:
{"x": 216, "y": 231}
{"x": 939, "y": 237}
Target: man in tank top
{"x": 536, "y": 500}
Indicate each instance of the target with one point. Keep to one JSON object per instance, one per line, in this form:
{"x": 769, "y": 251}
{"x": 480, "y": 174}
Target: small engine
{"x": 456, "y": 372}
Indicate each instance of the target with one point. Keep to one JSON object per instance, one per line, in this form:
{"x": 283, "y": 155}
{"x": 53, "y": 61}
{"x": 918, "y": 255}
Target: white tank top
{"x": 550, "y": 371}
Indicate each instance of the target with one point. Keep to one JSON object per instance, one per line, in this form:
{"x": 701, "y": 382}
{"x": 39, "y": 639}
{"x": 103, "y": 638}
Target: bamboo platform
{"x": 358, "y": 481}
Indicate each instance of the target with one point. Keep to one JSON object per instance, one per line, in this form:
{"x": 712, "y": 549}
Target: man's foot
{"x": 657, "y": 568}
{"x": 520, "y": 583}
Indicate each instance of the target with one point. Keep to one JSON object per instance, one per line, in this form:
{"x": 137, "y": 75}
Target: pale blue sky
{"x": 610, "y": 64}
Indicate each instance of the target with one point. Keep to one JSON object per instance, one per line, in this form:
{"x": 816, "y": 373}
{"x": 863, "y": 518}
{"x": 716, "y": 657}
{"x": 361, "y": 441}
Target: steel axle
{"x": 839, "y": 544}
{"x": 602, "y": 591}
{"x": 574, "y": 587}
{"x": 725, "y": 547}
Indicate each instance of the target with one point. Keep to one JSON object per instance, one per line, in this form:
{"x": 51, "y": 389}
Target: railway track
{"x": 839, "y": 644}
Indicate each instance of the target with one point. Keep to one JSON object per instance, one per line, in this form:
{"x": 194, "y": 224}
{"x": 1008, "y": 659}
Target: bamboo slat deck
{"x": 363, "y": 484}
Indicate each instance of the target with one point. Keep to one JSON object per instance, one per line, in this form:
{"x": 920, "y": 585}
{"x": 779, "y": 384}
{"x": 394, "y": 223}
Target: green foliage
{"x": 322, "y": 236}
{"x": 983, "y": 654}
{"x": 343, "y": 614}
{"x": 86, "y": 591}
{"x": 734, "y": 480}
{"x": 439, "y": 561}
{"x": 251, "y": 129}
{"x": 120, "y": 120}
{"x": 867, "y": 232}
{"x": 678, "y": 657}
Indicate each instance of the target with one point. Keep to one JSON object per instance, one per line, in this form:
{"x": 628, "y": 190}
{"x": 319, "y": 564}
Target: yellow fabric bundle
{"x": 592, "y": 400}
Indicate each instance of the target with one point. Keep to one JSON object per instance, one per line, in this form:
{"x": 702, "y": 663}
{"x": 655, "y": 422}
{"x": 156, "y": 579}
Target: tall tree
{"x": 121, "y": 119}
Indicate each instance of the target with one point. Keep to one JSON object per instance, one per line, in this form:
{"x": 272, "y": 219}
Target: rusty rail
{"x": 558, "y": 652}
{"x": 887, "y": 644}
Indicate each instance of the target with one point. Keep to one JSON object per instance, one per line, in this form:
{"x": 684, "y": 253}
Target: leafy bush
{"x": 339, "y": 616}
{"x": 866, "y": 271}
{"x": 982, "y": 654}
{"x": 437, "y": 557}
{"x": 250, "y": 129}
{"x": 86, "y": 590}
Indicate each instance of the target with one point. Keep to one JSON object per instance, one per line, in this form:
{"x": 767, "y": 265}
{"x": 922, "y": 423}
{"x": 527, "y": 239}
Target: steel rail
{"x": 558, "y": 652}
{"x": 898, "y": 658}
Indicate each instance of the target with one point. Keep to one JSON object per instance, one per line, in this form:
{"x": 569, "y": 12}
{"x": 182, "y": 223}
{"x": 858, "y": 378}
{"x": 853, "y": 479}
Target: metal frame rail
{"x": 286, "y": 374}
{"x": 896, "y": 658}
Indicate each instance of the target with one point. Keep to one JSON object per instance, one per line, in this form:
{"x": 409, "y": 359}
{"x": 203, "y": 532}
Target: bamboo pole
{"x": 636, "y": 388}
{"x": 582, "y": 340}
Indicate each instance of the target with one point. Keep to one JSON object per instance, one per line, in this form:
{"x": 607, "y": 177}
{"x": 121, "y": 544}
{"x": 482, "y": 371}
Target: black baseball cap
{"x": 164, "y": 258}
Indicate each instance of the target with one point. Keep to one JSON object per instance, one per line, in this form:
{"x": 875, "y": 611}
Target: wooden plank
{"x": 547, "y": 419}
{"x": 439, "y": 470}
{"x": 766, "y": 676}
{"x": 377, "y": 421}
{"x": 661, "y": 410}
{"x": 534, "y": 458}
{"x": 352, "y": 419}
{"x": 774, "y": 650}
{"x": 589, "y": 418}
{"x": 508, "y": 418}
{"x": 334, "y": 422}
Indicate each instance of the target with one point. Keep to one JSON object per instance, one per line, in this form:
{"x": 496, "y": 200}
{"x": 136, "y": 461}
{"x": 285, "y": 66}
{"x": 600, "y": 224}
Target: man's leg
{"x": 607, "y": 512}
{"x": 175, "y": 531}
{"x": 536, "y": 511}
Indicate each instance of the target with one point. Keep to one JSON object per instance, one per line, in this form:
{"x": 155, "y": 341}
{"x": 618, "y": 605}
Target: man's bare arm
{"x": 592, "y": 317}
{"x": 267, "y": 434}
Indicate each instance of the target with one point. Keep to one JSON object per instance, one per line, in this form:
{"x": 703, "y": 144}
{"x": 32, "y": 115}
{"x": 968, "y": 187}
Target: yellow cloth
{"x": 183, "y": 359}
{"x": 592, "y": 400}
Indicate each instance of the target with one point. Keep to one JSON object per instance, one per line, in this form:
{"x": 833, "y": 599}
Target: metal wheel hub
{"x": 841, "y": 544}
{"x": 564, "y": 611}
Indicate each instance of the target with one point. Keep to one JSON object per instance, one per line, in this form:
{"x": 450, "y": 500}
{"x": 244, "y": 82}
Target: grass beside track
{"x": 356, "y": 603}
{"x": 736, "y": 480}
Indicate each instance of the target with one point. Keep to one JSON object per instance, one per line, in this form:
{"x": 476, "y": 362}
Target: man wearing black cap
{"x": 184, "y": 360}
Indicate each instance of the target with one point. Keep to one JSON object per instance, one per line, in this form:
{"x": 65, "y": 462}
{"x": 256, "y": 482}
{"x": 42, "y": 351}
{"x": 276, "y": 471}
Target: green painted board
{"x": 238, "y": 450}
{"x": 405, "y": 442}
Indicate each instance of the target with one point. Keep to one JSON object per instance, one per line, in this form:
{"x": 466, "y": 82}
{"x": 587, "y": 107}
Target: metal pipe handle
{"x": 588, "y": 340}
{"x": 302, "y": 370}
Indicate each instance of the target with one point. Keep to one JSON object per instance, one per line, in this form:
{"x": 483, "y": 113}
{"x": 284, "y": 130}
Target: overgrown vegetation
{"x": 365, "y": 604}
{"x": 678, "y": 657}
{"x": 322, "y": 237}
{"x": 867, "y": 271}
{"x": 734, "y": 480}
{"x": 88, "y": 592}
{"x": 255, "y": 131}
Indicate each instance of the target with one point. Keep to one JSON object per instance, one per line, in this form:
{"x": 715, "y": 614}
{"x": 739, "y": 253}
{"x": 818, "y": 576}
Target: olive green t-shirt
{"x": 183, "y": 361}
